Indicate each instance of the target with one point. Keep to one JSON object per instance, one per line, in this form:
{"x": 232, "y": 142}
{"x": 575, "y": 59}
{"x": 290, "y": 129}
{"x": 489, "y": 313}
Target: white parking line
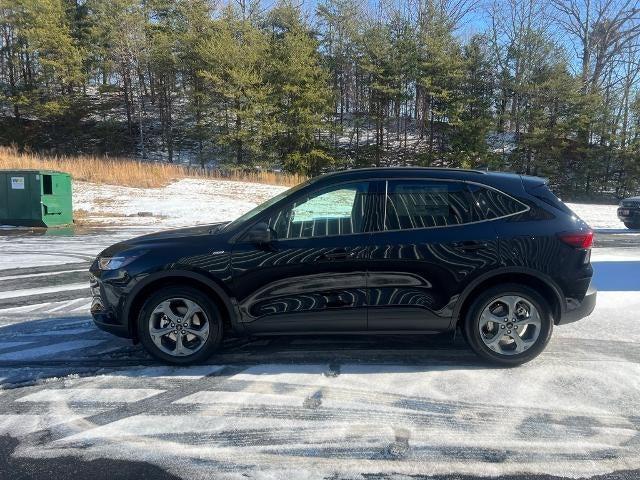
{"x": 165, "y": 372}
{"x": 49, "y": 350}
{"x": 49, "y": 307}
{"x": 28, "y": 423}
{"x": 26, "y": 308}
{"x": 243, "y": 398}
{"x": 45, "y": 274}
{"x": 84, "y": 306}
{"x": 91, "y": 395}
{"x": 39, "y": 291}
{"x": 67, "y": 304}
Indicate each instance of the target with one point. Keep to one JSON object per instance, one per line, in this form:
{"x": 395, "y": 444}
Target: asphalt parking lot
{"x": 77, "y": 402}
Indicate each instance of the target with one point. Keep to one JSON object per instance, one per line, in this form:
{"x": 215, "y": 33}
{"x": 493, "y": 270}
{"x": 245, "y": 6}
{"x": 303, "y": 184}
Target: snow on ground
{"x": 182, "y": 203}
{"x": 599, "y": 217}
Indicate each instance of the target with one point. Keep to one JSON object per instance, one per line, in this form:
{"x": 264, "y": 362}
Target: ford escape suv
{"x": 385, "y": 251}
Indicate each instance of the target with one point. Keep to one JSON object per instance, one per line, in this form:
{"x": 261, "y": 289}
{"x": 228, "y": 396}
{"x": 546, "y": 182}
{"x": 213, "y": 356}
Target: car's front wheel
{"x": 508, "y": 324}
{"x": 180, "y": 325}
{"x": 632, "y": 225}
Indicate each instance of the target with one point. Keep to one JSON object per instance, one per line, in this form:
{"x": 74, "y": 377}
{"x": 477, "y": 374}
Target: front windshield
{"x": 263, "y": 206}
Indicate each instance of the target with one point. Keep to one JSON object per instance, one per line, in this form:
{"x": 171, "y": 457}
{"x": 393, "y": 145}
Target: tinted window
{"x": 338, "y": 210}
{"x": 426, "y": 203}
{"x": 543, "y": 193}
{"x": 494, "y": 204}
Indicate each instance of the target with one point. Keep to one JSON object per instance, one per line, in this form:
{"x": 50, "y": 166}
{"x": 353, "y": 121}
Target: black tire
{"x": 472, "y": 321}
{"x": 204, "y": 302}
{"x": 632, "y": 225}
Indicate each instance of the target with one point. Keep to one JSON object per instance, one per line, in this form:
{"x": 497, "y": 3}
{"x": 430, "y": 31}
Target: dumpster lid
{"x": 33, "y": 170}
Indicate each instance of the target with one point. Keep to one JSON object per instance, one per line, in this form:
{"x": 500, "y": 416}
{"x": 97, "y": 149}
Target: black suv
{"x": 386, "y": 251}
{"x": 629, "y": 212}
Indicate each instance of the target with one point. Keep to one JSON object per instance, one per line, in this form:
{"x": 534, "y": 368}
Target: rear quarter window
{"x": 542, "y": 192}
{"x": 490, "y": 203}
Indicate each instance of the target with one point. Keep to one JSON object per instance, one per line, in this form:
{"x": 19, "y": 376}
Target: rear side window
{"x": 422, "y": 204}
{"x": 492, "y": 204}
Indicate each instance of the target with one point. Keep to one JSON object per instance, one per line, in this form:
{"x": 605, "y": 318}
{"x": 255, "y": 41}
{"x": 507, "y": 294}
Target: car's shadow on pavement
{"x": 73, "y": 467}
{"x": 39, "y": 349}
{"x": 401, "y": 349}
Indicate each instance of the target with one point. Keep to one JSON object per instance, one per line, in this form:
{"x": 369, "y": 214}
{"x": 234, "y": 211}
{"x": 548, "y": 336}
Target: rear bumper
{"x": 578, "y": 310}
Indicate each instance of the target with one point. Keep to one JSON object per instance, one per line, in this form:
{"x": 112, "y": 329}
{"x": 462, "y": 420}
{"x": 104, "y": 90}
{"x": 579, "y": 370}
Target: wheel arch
{"x": 179, "y": 278}
{"x": 539, "y": 282}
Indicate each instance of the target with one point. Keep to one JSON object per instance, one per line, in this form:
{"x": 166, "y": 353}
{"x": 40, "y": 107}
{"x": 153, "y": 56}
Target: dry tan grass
{"x": 128, "y": 172}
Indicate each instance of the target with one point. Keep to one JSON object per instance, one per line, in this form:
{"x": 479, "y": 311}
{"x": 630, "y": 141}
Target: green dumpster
{"x": 35, "y": 198}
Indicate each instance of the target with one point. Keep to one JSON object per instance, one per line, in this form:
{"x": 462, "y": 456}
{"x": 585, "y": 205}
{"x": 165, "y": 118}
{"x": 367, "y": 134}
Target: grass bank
{"x": 132, "y": 173}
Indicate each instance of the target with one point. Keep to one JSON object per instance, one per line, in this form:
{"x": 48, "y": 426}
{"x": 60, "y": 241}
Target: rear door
{"x": 430, "y": 247}
{"x": 312, "y": 277}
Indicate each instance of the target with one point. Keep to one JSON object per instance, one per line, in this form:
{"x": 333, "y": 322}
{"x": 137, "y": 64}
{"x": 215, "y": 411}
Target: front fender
{"x": 228, "y": 302}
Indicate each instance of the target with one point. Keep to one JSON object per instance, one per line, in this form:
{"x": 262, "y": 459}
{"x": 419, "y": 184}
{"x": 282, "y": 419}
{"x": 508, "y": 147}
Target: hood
{"x": 181, "y": 232}
{"x": 164, "y": 238}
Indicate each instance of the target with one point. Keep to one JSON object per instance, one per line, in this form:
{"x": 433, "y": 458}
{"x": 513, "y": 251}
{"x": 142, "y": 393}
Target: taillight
{"x": 579, "y": 239}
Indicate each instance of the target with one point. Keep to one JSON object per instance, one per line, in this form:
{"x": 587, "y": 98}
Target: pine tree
{"x": 196, "y": 26}
{"x": 378, "y": 66}
{"x": 45, "y": 32}
{"x": 476, "y": 91}
{"x": 235, "y": 61}
{"x": 441, "y": 72}
{"x": 300, "y": 91}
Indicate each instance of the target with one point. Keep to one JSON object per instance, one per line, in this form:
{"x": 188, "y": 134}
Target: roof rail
{"x": 408, "y": 167}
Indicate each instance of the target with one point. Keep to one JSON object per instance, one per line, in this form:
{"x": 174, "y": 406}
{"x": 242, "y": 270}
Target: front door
{"x": 430, "y": 247}
{"x": 312, "y": 276}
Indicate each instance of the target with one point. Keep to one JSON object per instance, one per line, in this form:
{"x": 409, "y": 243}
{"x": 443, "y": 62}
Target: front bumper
{"x": 632, "y": 214}
{"x": 105, "y": 308}
{"x": 578, "y": 310}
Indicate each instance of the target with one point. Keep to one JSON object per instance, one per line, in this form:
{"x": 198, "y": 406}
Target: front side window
{"x": 337, "y": 210}
{"x": 426, "y": 203}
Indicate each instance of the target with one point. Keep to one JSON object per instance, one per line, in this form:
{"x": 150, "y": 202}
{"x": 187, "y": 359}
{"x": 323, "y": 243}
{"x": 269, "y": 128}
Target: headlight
{"x": 118, "y": 261}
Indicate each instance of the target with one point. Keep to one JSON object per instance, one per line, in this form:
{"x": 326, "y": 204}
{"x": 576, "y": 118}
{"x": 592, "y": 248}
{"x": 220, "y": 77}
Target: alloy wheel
{"x": 179, "y": 327}
{"x": 509, "y": 324}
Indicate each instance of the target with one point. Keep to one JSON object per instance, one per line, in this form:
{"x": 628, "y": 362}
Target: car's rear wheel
{"x": 632, "y": 225}
{"x": 508, "y": 324}
{"x": 180, "y": 325}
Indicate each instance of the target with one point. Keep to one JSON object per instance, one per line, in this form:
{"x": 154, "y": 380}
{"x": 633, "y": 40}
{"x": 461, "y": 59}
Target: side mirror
{"x": 259, "y": 234}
